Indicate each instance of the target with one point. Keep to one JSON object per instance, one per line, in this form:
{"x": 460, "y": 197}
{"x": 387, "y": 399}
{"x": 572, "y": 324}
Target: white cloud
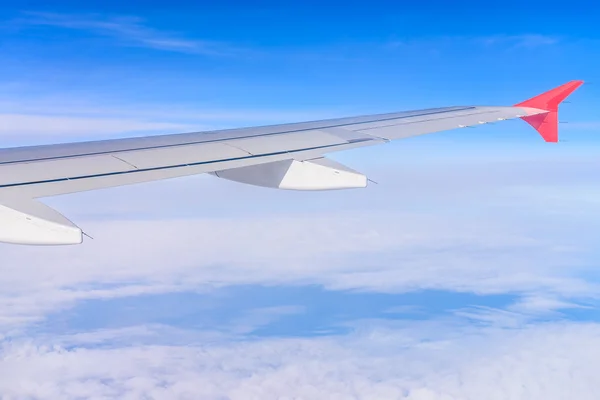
{"x": 418, "y": 361}
{"x": 543, "y": 304}
{"x": 130, "y": 31}
{"x": 528, "y": 308}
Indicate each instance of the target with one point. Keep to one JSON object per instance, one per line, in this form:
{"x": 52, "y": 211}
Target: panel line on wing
{"x": 426, "y": 120}
{"x": 126, "y": 162}
{"x": 238, "y": 148}
{"x": 352, "y": 136}
{"x": 161, "y": 168}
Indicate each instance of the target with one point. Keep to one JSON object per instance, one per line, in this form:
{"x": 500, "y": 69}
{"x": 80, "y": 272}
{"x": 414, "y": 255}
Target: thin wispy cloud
{"x": 526, "y": 41}
{"x": 19, "y": 125}
{"x": 520, "y": 41}
{"x": 61, "y": 118}
{"x": 173, "y": 112}
{"x": 31, "y": 125}
{"x": 129, "y": 31}
{"x": 584, "y": 126}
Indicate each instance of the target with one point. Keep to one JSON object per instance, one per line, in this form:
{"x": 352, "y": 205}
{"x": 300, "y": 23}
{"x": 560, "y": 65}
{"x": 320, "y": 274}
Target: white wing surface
{"x": 289, "y": 156}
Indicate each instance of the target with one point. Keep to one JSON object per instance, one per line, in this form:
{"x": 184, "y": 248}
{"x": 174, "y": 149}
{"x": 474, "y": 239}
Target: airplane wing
{"x": 288, "y": 156}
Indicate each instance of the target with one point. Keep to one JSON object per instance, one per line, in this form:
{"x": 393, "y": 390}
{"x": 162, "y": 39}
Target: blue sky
{"x": 474, "y": 257}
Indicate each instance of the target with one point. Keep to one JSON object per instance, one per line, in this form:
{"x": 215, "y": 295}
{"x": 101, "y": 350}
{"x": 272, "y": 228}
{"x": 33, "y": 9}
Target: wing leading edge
{"x": 289, "y": 156}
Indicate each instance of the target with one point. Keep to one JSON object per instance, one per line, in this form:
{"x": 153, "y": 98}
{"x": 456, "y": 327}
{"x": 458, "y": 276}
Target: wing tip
{"x": 551, "y": 99}
{"x": 547, "y": 123}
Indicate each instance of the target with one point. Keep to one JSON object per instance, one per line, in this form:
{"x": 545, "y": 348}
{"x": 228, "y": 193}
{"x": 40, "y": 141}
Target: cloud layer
{"x": 419, "y": 362}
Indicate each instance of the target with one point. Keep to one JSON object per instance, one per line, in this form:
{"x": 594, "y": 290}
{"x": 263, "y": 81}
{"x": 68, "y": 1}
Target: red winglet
{"x": 547, "y": 123}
